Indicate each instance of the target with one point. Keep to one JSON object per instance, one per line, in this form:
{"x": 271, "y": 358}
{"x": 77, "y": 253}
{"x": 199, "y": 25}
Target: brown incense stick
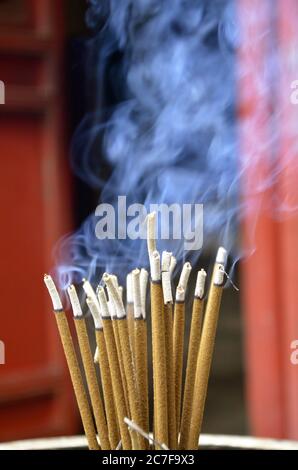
{"x": 141, "y": 362}
{"x": 129, "y": 311}
{"x": 73, "y": 366}
{"x": 133, "y": 394}
{"x": 178, "y": 345}
{"x": 118, "y": 391}
{"x": 221, "y": 259}
{"x": 205, "y": 356}
{"x": 115, "y": 325}
{"x": 159, "y": 352}
{"x": 122, "y": 355}
{"x": 115, "y": 322}
{"x": 96, "y": 401}
{"x": 167, "y": 259}
{"x": 77, "y": 380}
{"x": 92, "y": 295}
{"x": 141, "y": 350}
{"x": 106, "y": 380}
{"x": 193, "y": 349}
{"x": 159, "y": 364}
{"x": 178, "y": 338}
{"x": 107, "y": 389}
{"x": 171, "y": 396}
{"x": 92, "y": 383}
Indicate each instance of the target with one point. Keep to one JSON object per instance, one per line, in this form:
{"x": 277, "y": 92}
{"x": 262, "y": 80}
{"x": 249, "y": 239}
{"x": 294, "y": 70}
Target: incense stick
{"x": 115, "y": 323}
{"x": 73, "y": 366}
{"x": 117, "y": 319}
{"x": 115, "y": 369}
{"x": 96, "y": 401}
{"x": 178, "y": 345}
{"x": 130, "y": 313}
{"x": 143, "y": 288}
{"x": 205, "y": 356}
{"x": 173, "y": 264}
{"x": 221, "y": 259}
{"x": 193, "y": 349}
{"x": 178, "y": 338}
{"x": 122, "y": 354}
{"x": 89, "y": 291}
{"x": 167, "y": 269}
{"x": 133, "y": 394}
{"x": 141, "y": 350}
{"x": 106, "y": 380}
{"x": 159, "y": 352}
{"x": 166, "y": 277}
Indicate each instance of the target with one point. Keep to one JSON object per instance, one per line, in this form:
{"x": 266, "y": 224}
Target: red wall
{"x": 35, "y": 393}
{"x": 270, "y": 274}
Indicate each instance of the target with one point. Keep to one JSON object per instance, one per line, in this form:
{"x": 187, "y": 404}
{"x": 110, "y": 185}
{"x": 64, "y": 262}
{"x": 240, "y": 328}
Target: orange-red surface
{"x": 35, "y": 393}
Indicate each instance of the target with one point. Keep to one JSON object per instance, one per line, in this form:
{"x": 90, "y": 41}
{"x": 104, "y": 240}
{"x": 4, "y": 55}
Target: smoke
{"x": 172, "y": 137}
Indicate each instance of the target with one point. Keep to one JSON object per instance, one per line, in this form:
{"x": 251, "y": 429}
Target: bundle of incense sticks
{"x": 113, "y": 399}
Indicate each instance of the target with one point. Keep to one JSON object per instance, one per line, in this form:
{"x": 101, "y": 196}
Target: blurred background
{"x": 49, "y": 66}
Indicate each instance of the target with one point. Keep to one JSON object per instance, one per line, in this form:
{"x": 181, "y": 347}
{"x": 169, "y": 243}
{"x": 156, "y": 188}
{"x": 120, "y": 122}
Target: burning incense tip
{"x": 151, "y": 232}
{"x": 166, "y": 260}
{"x": 221, "y": 257}
{"x": 117, "y": 286}
{"x": 129, "y": 293}
{"x": 89, "y": 291}
{"x": 183, "y": 281}
{"x": 112, "y": 309}
{"x": 121, "y": 292}
{"x": 74, "y": 300}
{"x": 115, "y": 281}
{"x": 56, "y": 301}
{"x": 143, "y": 286}
{"x": 95, "y": 312}
{"x": 114, "y": 294}
{"x": 180, "y": 294}
{"x": 185, "y": 273}
{"x": 155, "y": 265}
{"x": 103, "y": 302}
{"x": 172, "y": 265}
{"x": 166, "y": 287}
{"x": 200, "y": 284}
{"x": 166, "y": 277}
{"x": 137, "y": 302}
{"x": 219, "y": 275}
